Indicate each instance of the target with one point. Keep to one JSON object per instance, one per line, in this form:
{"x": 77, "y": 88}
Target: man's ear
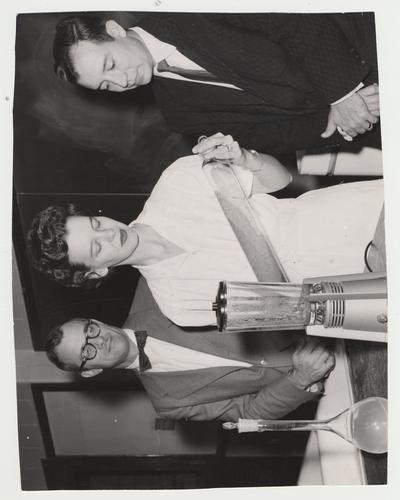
{"x": 91, "y": 373}
{"x": 114, "y": 29}
{"x": 60, "y": 72}
{"x": 98, "y": 273}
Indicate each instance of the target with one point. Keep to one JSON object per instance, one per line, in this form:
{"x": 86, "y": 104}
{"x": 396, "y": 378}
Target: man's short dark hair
{"x": 70, "y": 31}
{"x": 49, "y": 250}
{"x": 54, "y": 339}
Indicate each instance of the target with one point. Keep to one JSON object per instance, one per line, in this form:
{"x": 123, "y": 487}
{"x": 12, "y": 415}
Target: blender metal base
{"x": 342, "y": 333}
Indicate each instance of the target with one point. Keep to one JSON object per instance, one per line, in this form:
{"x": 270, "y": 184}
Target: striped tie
{"x": 192, "y": 74}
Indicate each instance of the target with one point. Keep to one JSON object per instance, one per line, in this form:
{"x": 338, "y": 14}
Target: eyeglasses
{"x": 89, "y": 351}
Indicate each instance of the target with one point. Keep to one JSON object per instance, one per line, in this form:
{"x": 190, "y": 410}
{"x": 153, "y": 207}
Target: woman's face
{"x": 99, "y": 242}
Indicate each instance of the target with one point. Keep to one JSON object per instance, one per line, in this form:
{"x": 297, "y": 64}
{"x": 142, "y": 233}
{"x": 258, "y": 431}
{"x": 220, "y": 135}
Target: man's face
{"x": 117, "y": 65}
{"x": 112, "y": 346}
{"x": 99, "y": 242}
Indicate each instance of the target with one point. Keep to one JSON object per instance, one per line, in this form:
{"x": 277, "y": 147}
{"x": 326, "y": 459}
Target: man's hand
{"x": 370, "y": 95}
{"x": 312, "y": 361}
{"x": 354, "y": 115}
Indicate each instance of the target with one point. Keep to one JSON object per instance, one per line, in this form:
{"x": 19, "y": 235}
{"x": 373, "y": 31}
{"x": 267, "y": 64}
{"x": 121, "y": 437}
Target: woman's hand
{"x": 268, "y": 174}
{"x": 220, "y": 147}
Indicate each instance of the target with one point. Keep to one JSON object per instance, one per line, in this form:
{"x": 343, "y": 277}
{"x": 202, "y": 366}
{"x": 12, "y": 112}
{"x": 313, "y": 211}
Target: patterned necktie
{"x": 193, "y": 74}
{"x": 144, "y": 362}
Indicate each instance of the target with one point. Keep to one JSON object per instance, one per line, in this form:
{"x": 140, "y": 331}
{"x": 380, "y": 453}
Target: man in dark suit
{"x": 276, "y": 82}
{"x": 199, "y": 375}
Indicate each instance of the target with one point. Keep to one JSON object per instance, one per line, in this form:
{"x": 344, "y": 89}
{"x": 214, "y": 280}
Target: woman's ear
{"x": 114, "y": 29}
{"x": 91, "y": 373}
{"x": 98, "y": 273}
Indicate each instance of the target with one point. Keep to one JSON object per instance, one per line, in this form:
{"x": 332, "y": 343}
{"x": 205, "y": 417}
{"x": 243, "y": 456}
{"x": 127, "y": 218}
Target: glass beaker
{"x": 364, "y": 425}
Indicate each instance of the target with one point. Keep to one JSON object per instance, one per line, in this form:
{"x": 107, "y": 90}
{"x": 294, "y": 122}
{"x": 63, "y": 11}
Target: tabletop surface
{"x": 368, "y": 363}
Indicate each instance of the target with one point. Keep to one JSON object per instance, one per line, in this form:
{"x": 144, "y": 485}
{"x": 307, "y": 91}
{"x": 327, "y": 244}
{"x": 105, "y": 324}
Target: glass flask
{"x": 364, "y": 425}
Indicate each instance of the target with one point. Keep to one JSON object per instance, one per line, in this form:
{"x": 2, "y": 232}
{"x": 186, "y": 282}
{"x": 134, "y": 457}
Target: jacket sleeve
{"x": 274, "y": 137}
{"x": 272, "y": 402}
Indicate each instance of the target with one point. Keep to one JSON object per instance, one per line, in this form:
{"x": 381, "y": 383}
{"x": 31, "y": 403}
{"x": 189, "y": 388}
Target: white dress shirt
{"x": 167, "y": 357}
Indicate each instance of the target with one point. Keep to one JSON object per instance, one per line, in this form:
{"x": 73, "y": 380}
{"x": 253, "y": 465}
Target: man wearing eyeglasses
{"x": 198, "y": 375}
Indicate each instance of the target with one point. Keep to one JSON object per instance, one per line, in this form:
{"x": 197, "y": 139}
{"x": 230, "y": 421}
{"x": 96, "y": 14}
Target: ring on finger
{"x": 201, "y": 138}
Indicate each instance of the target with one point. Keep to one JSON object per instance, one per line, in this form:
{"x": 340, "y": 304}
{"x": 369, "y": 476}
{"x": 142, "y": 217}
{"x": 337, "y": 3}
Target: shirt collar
{"x": 159, "y": 50}
{"x": 131, "y": 335}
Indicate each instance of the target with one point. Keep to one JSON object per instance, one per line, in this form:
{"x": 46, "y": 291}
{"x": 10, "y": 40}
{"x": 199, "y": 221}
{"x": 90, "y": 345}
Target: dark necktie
{"x": 144, "y": 362}
{"x": 193, "y": 74}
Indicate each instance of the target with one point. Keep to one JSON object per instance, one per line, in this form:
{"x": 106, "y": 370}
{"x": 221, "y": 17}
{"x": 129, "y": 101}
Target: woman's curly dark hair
{"x": 49, "y": 250}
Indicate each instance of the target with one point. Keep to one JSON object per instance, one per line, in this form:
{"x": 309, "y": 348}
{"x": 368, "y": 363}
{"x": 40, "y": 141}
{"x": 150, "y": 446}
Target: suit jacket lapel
{"x": 185, "y": 38}
{"x": 249, "y": 347}
{"x": 188, "y": 43}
